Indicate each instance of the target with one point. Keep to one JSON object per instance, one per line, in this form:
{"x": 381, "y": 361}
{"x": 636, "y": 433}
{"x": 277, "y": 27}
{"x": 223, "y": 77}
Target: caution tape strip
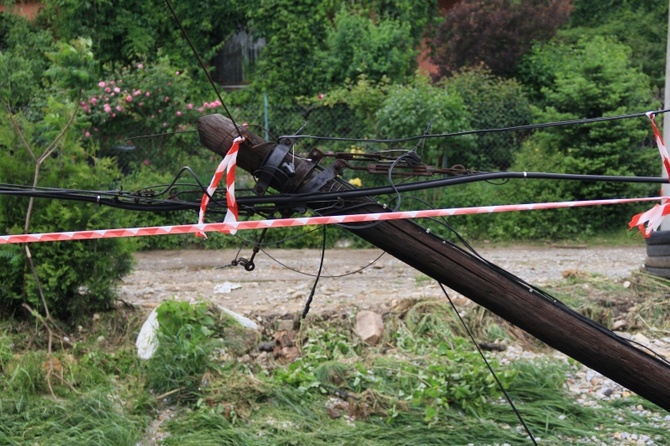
{"x": 229, "y": 227}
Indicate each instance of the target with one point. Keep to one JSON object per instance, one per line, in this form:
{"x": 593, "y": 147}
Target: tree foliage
{"x": 40, "y": 145}
{"x": 414, "y": 109}
{"x": 125, "y": 31}
{"x": 357, "y": 45}
{"x": 493, "y": 103}
{"x": 592, "y": 78}
{"x": 643, "y": 26}
{"x": 303, "y": 37}
{"x": 495, "y": 33}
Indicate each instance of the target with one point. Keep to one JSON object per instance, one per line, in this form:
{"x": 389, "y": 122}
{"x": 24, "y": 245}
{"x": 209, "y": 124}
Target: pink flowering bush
{"x": 144, "y": 100}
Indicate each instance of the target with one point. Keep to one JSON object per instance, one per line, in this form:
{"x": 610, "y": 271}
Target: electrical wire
{"x": 489, "y": 367}
{"x": 582, "y": 121}
{"x": 308, "y": 304}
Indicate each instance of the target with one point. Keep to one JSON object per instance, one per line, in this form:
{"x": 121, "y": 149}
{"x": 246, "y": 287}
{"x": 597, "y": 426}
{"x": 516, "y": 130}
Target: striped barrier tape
{"x": 228, "y": 164}
{"x": 229, "y": 227}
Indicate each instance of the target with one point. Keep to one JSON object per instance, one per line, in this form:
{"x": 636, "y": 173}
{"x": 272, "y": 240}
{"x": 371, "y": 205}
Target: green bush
{"x": 150, "y": 101}
{"x": 191, "y": 338}
{"x": 77, "y": 277}
{"x": 358, "y": 45}
{"x": 593, "y": 78}
{"x": 413, "y": 109}
{"x": 41, "y": 147}
{"x": 493, "y": 103}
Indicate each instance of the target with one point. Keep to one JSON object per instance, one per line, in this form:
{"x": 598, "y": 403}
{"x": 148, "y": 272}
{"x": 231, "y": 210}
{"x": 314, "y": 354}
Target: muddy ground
{"x": 352, "y": 278}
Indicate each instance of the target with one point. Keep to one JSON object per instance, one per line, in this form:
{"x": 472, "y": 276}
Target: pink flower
{"x": 205, "y": 104}
{"x": 201, "y": 109}
{"x": 93, "y": 100}
{"x": 146, "y": 162}
{"x": 113, "y": 115}
{"x": 108, "y": 90}
{"x": 165, "y": 124}
{"x": 147, "y": 94}
{"x": 178, "y": 113}
{"x": 107, "y": 108}
{"x": 189, "y": 106}
{"x": 137, "y": 92}
{"x": 119, "y": 108}
{"x": 167, "y": 99}
{"x": 176, "y": 73}
{"x": 129, "y": 98}
{"x": 141, "y": 104}
{"x": 87, "y": 134}
{"x": 140, "y": 66}
{"x": 101, "y": 84}
{"x": 320, "y": 96}
{"x": 117, "y": 90}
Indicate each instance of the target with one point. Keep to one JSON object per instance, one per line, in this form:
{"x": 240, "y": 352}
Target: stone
{"x": 285, "y": 325}
{"x": 267, "y": 346}
{"x": 226, "y": 287}
{"x": 618, "y": 324}
{"x": 369, "y": 326}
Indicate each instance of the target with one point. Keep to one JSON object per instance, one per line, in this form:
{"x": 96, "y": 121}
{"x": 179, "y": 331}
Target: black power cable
{"x": 582, "y": 121}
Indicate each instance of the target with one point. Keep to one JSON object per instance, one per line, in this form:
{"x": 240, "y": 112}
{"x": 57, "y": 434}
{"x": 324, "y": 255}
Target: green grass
{"x": 425, "y": 384}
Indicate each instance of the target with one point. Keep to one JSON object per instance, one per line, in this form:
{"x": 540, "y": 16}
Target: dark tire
{"x": 657, "y": 262}
{"x": 658, "y": 250}
{"x": 660, "y": 272}
{"x": 658, "y": 238}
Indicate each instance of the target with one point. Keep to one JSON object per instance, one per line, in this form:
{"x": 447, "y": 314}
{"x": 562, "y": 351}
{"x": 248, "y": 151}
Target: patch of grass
{"x": 193, "y": 339}
{"x": 423, "y": 384}
{"x": 92, "y": 419}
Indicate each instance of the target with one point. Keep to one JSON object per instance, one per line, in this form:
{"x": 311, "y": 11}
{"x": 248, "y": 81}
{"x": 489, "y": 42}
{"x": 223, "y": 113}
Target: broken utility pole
{"x": 548, "y": 320}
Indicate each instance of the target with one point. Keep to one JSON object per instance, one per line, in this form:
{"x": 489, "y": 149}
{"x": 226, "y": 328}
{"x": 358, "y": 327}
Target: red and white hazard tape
{"x": 661, "y": 145}
{"x": 306, "y": 221}
{"x": 228, "y": 165}
{"x": 654, "y": 216}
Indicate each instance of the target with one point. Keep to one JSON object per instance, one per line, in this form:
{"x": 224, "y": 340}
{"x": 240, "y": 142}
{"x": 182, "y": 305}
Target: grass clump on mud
{"x": 213, "y": 382}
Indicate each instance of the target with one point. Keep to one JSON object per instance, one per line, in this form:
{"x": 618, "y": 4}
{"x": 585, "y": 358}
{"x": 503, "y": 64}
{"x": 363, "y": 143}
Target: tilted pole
{"x": 548, "y": 320}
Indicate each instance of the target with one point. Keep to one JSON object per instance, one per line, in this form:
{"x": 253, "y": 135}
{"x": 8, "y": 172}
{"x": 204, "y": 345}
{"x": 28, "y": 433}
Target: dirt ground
{"x": 351, "y": 279}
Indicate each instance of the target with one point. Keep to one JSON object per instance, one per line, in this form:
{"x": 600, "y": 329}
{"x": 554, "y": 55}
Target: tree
{"x": 125, "y": 32}
{"x": 643, "y": 26}
{"x": 493, "y": 103}
{"x": 495, "y": 33}
{"x": 356, "y": 46}
{"x": 298, "y": 46}
{"x": 410, "y": 110}
{"x": 593, "y": 78}
{"x": 40, "y": 146}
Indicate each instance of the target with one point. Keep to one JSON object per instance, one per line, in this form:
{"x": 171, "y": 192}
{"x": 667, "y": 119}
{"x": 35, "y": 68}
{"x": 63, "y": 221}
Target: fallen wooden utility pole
{"x": 548, "y": 320}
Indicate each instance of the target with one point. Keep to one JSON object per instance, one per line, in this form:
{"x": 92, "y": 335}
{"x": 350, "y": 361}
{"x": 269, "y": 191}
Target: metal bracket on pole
{"x": 274, "y": 170}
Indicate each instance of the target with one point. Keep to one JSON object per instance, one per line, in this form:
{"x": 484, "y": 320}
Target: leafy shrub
{"x": 358, "y": 45}
{"x": 151, "y": 101}
{"x": 40, "y": 147}
{"x": 411, "y": 110}
{"x": 591, "y": 79}
{"x": 77, "y": 278}
{"x": 192, "y": 338}
{"x": 493, "y": 103}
